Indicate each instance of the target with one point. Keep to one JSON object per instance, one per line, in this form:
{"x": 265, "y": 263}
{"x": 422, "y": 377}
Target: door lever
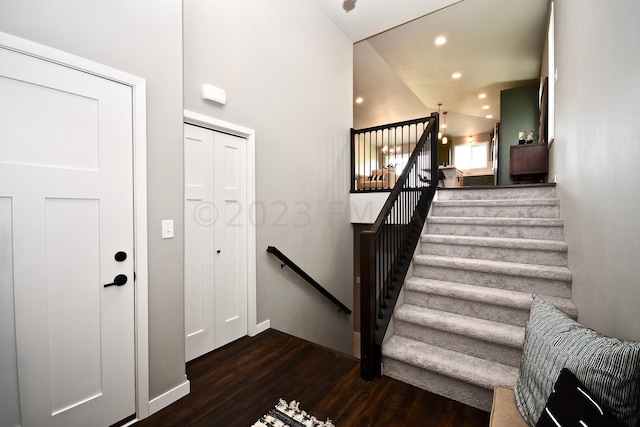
{"x": 119, "y": 280}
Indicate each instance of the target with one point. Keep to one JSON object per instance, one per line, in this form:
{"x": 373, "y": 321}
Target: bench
{"x": 504, "y": 412}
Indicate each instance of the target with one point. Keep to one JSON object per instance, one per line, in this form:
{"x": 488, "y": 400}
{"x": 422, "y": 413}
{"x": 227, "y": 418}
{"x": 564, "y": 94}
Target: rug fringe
{"x": 300, "y": 415}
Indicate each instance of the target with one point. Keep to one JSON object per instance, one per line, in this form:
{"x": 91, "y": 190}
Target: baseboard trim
{"x": 169, "y": 397}
{"x": 356, "y": 344}
{"x": 260, "y": 327}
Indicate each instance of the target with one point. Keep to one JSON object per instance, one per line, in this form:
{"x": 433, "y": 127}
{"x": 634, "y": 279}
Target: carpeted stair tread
{"x": 471, "y": 220}
{"x": 513, "y": 192}
{"x": 502, "y": 208}
{"x": 486, "y": 330}
{"x": 496, "y": 267}
{"x": 480, "y": 372}
{"x": 459, "y": 329}
{"x": 496, "y": 242}
{"x": 495, "y": 296}
{"x": 497, "y": 203}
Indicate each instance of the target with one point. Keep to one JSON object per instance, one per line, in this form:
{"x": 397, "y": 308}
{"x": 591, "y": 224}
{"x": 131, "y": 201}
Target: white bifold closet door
{"x": 215, "y": 239}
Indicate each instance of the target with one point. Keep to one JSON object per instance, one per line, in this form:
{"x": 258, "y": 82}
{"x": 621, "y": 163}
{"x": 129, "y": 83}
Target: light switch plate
{"x": 167, "y": 229}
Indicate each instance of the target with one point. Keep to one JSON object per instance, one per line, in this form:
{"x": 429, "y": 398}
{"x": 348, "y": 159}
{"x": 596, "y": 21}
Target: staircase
{"x": 486, "y": 251}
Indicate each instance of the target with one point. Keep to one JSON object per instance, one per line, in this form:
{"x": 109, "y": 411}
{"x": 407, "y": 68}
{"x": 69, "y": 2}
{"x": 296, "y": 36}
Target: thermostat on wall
{"x": 214, "y": 93}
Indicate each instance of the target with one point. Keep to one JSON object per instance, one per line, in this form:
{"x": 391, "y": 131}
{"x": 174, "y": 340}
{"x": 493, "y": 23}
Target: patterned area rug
{"x": 289, "y": 415}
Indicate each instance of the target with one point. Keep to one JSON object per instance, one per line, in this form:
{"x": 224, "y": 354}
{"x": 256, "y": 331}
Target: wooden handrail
{"x": 282, "y": 257}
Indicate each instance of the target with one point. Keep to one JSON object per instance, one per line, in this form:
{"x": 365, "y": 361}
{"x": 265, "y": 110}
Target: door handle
{"x": 119, "y": 280}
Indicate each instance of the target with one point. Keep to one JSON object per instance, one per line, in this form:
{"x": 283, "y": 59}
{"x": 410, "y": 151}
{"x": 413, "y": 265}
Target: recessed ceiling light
{"x": 485, "y": 107}
{"x": 482, "y": 96}
{"x": 456, "y": 75}
{"x": 359, "y": 100}
{"x": 441, "y": 40}
{"x": 489, "y": 116}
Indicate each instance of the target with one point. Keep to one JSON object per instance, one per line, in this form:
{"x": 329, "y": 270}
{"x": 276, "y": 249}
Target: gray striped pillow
{"x": 608, "y": 367}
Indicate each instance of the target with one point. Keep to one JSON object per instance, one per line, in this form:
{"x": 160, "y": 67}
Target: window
{"x": 470, "y": 156}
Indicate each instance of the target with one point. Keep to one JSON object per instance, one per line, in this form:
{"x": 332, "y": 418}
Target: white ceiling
{"x": 402, "y": 74}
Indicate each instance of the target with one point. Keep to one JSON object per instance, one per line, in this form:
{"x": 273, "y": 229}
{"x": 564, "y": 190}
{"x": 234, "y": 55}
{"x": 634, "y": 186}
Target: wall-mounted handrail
{"x": 282, "y": 257}
{"x": 387, "y": 248}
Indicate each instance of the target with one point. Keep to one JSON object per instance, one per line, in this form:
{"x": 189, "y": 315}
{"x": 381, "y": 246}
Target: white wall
{"x": 596, "y": 158}
{"x": 145, "y": 39}
{"x": 287, "y": 72}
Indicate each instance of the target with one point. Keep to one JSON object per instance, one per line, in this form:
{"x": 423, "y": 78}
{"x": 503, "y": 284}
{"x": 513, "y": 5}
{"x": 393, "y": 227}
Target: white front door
{"x": 215, "y": 240}
{"x": 66, "y": 207}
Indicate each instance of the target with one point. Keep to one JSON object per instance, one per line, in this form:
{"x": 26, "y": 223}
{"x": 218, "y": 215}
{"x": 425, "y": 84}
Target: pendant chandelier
{"x": 444, "y": 139}
{"x": 439, "y": 131}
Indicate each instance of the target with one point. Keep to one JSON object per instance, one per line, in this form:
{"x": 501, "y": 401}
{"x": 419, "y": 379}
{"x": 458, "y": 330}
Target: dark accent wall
{"x": 518, "y": 112}
{"x": 444, "y": 152}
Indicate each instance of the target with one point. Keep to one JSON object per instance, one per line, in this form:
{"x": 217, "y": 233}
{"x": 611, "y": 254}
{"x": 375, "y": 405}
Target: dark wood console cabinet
{"x": 528, "y": 162}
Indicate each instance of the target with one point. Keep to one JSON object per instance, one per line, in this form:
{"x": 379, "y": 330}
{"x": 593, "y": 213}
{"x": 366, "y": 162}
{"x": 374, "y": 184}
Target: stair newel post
{"x": 433, "y": 139}
{"x": 353, "y": 160}
{"x": 369, "y": 351}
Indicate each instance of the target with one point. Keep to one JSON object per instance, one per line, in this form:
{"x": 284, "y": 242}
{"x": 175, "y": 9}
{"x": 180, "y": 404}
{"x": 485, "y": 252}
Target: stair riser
{"x": 511, "y": 231}
{"x": 534, "y": 285}
{"x": 452, "y": 388}
{"x": 545, "y": 192}
{"x": 497, "y": 211}
{"x": 463, "y": 344}
{"x": 524, "y": 256}
{"x": 508, "y": 315}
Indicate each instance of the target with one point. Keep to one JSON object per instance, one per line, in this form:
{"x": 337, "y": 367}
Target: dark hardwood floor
{"x": 235, "y": 385}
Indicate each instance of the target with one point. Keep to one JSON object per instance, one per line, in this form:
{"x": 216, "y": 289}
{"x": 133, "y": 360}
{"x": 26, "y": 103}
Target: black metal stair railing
{"x": 380, "y": 153}
{"x": 286, "y": 261}
{"x": 387, "y": 248}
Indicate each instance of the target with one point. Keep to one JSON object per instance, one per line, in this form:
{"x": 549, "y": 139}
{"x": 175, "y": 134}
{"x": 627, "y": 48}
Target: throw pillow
{"x": 608, "y": 367}
{"x": 571, "y": 404}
